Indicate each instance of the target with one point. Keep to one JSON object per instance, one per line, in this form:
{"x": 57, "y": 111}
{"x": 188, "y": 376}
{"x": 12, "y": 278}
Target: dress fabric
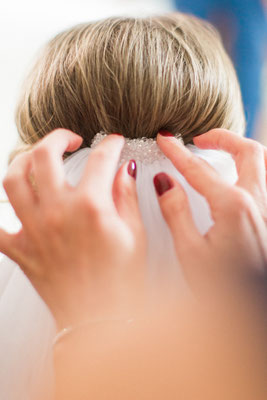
{"x": 27, "y": 329}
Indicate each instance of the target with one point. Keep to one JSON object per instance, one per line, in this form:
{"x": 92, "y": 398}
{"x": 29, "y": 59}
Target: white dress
{"x": 26, "y": 326}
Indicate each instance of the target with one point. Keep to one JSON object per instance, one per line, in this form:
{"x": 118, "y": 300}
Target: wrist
{"x": 77, "y": 311}
{"x": 72, "y": 331}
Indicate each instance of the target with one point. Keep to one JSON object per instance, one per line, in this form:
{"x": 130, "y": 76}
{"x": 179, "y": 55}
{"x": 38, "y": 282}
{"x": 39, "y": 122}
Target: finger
{"x": 100, "y": 170}
{"x": 8, "y": 244}
{"x": 125, "y": 198}
{"x": 19, "y": 189}
{"x": 201, "y": 177}
{"x": 176, "y": 211}
{"x": 250, "y": 157}
{"x": 47, "y": 161}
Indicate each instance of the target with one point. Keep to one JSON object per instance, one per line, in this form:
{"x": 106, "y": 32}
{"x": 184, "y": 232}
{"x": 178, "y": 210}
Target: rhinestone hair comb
{"x": 144, "y": 149}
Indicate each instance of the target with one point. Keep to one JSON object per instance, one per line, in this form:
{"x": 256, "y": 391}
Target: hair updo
{"x": 133, "y": 76}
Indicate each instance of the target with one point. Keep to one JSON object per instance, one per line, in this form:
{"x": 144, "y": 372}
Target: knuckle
{"x": 6, "y": 182}
{"x": 53, "y": 219}
{"x": 181, "y": 203}
{"x": 125, "y": 190}
{"x": 191, "y": 164}
{"x": 97, "y": 212}
{"x": 253, "y": 147}
{"x": 100, "y": 155}
{"x": 11, "y": 179}
{"x": 175, "y": 203}
{"x": 16, "y": 171}
{"x": 41, "y": 152}
{"x": 239, "y": 201}
{"x": 87, "y": 204}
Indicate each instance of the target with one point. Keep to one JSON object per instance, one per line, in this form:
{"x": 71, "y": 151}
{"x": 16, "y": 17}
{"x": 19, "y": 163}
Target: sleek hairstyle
{"x": 133, "y": 76}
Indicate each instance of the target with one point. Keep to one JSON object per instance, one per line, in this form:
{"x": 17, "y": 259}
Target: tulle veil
{"x": 27, "y": 329}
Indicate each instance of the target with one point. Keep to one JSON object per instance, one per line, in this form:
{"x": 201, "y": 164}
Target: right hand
{"x": 237, "y": 242}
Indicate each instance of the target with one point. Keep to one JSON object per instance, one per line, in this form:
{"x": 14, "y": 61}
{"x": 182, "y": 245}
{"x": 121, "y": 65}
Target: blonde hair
{"x": 133, "y": 76}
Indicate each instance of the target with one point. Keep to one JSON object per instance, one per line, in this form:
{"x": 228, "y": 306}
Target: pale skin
{"x": 238, "y": 239}
{"x": 108, "y": 248}
{"x": 75, "y": 241}
{"x": 84, "y": 250}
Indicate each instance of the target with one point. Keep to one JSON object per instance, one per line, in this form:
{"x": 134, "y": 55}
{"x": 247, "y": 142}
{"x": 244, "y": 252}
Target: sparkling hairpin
{"x": 144, "y": 149}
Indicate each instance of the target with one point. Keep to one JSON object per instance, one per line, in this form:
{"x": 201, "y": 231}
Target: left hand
{"x": 237, "y": 242}
{"x": 82, "y": 248}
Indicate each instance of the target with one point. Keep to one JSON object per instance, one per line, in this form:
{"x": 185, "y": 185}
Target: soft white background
{"x": 25, "y": 25}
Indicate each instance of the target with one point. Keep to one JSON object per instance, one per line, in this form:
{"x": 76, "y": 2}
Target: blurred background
{"x": 25, "y": 25}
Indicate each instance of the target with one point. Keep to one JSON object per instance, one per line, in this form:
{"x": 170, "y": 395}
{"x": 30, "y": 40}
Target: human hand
{"x": 238, "y": 239}
{"x": 78, "y": 246}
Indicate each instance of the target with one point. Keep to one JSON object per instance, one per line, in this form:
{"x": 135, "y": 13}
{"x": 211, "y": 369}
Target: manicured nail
{"x": 166, "y": 133}
{"x": 132, "y": 170}
{"x": 162, "y": 183}
{"x": 116, "y": 133}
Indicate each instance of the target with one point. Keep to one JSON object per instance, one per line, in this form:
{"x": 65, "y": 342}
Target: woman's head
{"x": 133, "y": 76}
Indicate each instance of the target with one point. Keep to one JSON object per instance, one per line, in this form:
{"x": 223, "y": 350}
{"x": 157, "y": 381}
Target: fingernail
{"x": 132, "y": 170}
{"x": 166, "y": 133}
{"x": 162, "y": 183}
{"x": 116, "y": 133}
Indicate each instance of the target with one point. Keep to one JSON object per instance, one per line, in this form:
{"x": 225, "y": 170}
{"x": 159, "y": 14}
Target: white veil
{"x": 26, "y": 326}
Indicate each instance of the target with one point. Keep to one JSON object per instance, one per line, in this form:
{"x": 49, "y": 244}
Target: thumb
{"x": 176, "y": 211}
{"x": 125, "y": 197}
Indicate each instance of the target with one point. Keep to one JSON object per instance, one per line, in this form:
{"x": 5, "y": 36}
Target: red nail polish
{"x": 162, "y": 183}
{"x": 132, "y": 170}
{"x": 166, "y": 133}
{"x": 116, "y": 133}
